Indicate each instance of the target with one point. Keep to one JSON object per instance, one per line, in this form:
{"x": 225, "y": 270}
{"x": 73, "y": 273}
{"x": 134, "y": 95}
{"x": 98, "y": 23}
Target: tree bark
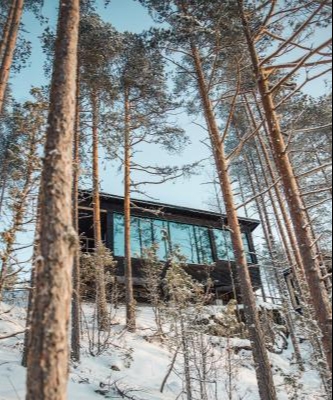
{"x": 319, "y": 294}
{"x": 76, "y": 300}
{"x": 130, "y": 301}
{"x": 49, "y": 346}
{"x": 281, "y": 284}
{"x": 6, "y": 29}
{"x": 101, "y": 303}
{"x": 263, "y": 367}
{"x": 9, "y": 50}
{"x": 36, "y": 253}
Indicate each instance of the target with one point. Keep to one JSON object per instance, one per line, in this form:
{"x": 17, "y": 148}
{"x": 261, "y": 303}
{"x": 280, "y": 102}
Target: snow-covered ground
{"x": 138, "y": 365}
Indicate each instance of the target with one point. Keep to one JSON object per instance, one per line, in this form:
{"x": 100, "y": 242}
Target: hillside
{"x": 133, "y": 366}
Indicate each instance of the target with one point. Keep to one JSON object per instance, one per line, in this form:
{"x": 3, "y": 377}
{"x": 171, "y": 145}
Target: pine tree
{"x": 98, "y": 47}
{"x": 9, "y": 41}
{"x": 145, "y": 110}
{"x": 293, "y": 196}
{"x": 28, "y": 123}
{"x": 48, "y": 352}
{"x": 186, "y": 28}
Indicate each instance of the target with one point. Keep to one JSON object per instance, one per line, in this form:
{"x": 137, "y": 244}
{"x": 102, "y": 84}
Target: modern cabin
{"x": 201, "y": 236}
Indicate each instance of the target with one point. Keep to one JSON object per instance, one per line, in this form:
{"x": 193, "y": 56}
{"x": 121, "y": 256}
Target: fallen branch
{"x": 170, "y": 370}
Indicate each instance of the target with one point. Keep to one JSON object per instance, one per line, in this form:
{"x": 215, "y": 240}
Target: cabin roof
{"x": 252, "y": 224}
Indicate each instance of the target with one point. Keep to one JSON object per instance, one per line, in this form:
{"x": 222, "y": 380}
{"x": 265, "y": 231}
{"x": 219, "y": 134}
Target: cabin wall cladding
{"x": 201, "y": 236}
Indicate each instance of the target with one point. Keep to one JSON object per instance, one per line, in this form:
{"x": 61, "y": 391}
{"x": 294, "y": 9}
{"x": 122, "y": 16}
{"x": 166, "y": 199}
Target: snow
{"x": 139, "y": 363}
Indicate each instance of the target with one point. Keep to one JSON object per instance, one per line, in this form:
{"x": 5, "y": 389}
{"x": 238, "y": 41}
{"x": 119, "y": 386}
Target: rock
{"x": 115, "y": 368}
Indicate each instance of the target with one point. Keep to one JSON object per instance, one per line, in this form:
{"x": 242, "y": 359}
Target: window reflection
{"x": 119, "y": 235}
{"x": 194, "y": 242}
{"x": 224, "y": 245}
{"x": 204, "y": 245}
{"x": 161, "y": 238}
{"x": 225, "y": 251}
{"x": 246, "y": 242}
{"x": 182, "y": 237}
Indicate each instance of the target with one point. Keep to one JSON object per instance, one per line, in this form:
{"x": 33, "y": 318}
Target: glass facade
{"x": 194, "y": 242}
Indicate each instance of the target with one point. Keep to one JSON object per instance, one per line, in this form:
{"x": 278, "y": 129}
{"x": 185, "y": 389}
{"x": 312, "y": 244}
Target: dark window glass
{"x": 183, "y": 238}
{"x": 146, "y": 234}
{"x": 204, "y": 245}
{"x": 224, "y": 245}
{"x": 161, "y": 238}
{"x": 136, "y": 237}
{"x": 193, "y": 242}
{"x": 225, "y": 250}
{"x": 246, "y": 242}
{"x": 119, "y": 235}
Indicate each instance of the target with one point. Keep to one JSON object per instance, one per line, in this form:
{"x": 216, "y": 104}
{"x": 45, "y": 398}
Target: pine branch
{"x": 294, "y": 36}
{"x": 313, "y": 171}
{"x": 260, "y": 194}
{"x": 301, "y": 64}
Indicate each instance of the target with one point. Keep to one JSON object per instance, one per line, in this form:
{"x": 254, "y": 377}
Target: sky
{"x": 124, "y": 15}
{"x": 130, "y": 15}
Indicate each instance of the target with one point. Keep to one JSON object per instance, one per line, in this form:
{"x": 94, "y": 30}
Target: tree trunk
{"x": 263, "y": 367}
{"x": 36, "y": 254}
{"x": 130, "y": 301}
{"x": 7, "y": 27}
{"x": 319, "y": 295}
{"x": 49, "y": 348}
{"x": 101, "y": 303}
{"x": 9, "y": 50}
{"x": 187, "y": 363}
{"x": 281, "y": 284}
{"x": 76, "y": 300}
{"x": 4, "y": 177}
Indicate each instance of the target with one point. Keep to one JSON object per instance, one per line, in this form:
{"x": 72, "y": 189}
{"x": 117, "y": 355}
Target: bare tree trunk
{"x": 263, "y": 367}
{"x": 9, "y": 50}
{"x": 4, "y": 177}
{"x": 281, "y": 284}
{"x": 6, "y": 28}
{"x": 130, "y": 301}
{"x": 76, "y": 300}
{"x": 102, "y": 309}
{"x": 186, "y": 355}
{"x": 35, "y": 256}
{"x": 319, "y": 294}
{"x": 49, "y": 346}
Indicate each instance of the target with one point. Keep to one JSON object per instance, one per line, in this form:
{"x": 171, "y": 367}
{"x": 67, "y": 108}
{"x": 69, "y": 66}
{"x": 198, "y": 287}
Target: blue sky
{"x": 130, "y": 15}
{"x": 124, "y": 15}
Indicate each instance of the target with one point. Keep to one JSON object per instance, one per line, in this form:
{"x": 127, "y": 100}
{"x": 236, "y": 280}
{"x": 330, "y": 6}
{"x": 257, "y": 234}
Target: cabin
{"x": 201, "y": 236}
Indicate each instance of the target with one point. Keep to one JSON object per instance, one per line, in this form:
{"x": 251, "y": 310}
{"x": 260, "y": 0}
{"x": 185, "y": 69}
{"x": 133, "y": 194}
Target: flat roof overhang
{"x": 86, "y": 197}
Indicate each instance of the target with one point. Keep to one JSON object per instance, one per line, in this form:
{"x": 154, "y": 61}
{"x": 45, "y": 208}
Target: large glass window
{"x": 194, "y": 242}
{"x": 225, "y": 250}
{"x": 118, "y": 235}
{"x": 224, "y": 246}
{"x": 246, "y": 242}
{"x": 136, "y": 237}
{"x": 161, "y": 238}
{"x": 183, "y": 238}
{"x": 204, "y": 245}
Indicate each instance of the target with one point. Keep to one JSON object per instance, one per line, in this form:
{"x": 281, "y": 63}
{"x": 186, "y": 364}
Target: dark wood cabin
{"x": 201, "y": 236}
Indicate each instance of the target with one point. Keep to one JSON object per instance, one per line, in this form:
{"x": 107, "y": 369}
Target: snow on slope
{"x": 136, "y": 364}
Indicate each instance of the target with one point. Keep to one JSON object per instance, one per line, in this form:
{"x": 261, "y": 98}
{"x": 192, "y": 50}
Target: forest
{"x": 165, "y": 199}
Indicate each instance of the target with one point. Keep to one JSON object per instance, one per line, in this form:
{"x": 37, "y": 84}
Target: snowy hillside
{"x": 133, "y": 366}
